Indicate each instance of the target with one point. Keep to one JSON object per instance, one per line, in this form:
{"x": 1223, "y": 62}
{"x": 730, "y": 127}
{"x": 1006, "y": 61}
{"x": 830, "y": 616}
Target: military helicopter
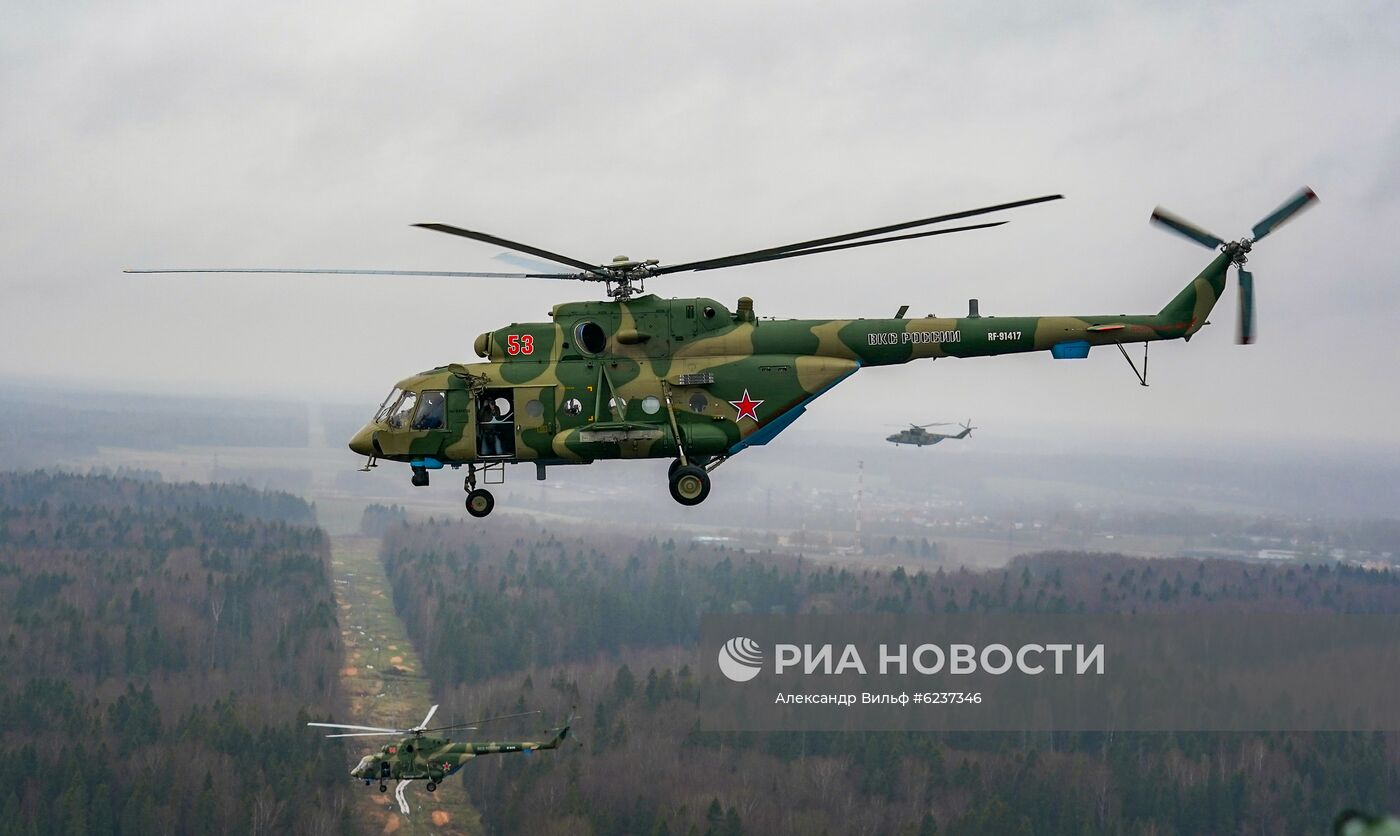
{"x": 421, "y": 753}
{"x": 688, "y": 379}
{"x": 919, "y": 436}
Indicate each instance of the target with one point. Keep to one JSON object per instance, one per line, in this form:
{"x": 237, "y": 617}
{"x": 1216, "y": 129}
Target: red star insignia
{"x": 747, "y": 407}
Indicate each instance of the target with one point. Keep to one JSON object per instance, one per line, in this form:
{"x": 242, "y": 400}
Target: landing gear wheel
{"x": 700, "y": 461}
{"x": 430, "y": 786}
{"x": 480, "y": 502}
{"x": 690, "y": 485}
{"x": 420, "y": 477}
{"x": 383, "y": 787}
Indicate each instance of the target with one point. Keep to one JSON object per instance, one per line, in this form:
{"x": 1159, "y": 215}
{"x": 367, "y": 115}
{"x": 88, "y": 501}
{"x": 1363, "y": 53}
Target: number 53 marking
{"x": 520, "y": 344}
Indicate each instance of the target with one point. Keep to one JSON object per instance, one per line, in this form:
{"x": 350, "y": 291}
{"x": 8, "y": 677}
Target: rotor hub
{"x": 1238, "y": 250}
{"x": 626, "y": 278}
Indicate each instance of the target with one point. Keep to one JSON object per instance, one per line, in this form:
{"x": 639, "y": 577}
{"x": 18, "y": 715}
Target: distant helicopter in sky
{"x": 919, "y": 436}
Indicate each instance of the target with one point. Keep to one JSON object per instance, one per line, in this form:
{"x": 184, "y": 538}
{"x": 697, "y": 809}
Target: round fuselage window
{"x": 590, "y": 337}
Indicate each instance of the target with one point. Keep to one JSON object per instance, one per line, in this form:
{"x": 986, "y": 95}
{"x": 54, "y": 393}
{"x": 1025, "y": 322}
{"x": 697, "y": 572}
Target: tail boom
{"x": 884, "y": 342}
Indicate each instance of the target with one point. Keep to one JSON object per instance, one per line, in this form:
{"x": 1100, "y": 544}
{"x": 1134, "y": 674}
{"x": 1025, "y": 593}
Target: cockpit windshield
{"x": 432, "y": 412}
{"x": 401, "y": 412}
{"x": 383, "y": 411}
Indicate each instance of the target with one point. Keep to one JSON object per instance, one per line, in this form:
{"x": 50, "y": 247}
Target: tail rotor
{"x": 1282, "y": 215}
{"x": 1244, "y": 331}
{"x": 1239, "y": 250}
{"x": 1186, "y": 229}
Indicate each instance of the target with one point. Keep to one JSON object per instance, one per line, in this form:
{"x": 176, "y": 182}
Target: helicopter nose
{"x": 363, "y": 442}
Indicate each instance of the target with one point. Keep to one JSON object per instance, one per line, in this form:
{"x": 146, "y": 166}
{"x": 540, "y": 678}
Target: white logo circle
{"x": 740, "y": 659}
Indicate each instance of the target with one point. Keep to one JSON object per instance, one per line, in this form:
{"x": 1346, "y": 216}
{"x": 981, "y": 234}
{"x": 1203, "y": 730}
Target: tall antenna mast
{"x": 860, "y": 493}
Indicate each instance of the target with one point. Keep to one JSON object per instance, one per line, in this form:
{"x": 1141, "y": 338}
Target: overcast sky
{"x": 312, "y": 135}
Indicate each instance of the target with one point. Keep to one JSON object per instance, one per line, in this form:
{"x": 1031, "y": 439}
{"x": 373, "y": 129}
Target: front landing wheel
{"x": 430, "y": 786}
{"x": 480, "y": 502}
{"x": 690, "y": 485}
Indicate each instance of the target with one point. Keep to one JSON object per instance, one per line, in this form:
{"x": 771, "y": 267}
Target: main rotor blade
{"x": 452, "y": 273}
{"x": 1185, "y": 228}
{"x": 764, "y": 254}
{"x": 1244, "y": 333}
{"x": 475, "y": 723}
{"x": 369, "y": 734}
{"x": 361, "y": 728}
{"x": 514, "y": 245}
{"x": 431, "y": 712}
{"x": 1282, "y": 215}
{"x": 735, "y": 262}
{"x": 520, "y": 262}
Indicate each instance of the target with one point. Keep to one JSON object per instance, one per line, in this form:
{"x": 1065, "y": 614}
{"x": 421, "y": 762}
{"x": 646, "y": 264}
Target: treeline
{"x": 160, "y": 653}
{"x": 512, "y": 616}
{"x": 57, "y": 491}
{"x": 377, "y": 519}
{"x": 484, "y": 601}
{"x": 1376, "y": 536}
{"x": 1205, "y": 528}
{"x": 477, "y": 606}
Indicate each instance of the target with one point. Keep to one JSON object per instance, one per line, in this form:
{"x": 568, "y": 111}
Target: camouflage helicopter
{"x": 421, "y": 753}
{"x": 919, "y": 436}
{"x": 688, "y": 379}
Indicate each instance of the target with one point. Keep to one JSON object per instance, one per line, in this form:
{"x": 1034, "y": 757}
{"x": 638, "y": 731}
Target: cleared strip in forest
{"x": 384, "y": 680}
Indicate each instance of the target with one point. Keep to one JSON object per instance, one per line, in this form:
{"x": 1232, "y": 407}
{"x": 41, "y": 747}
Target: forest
{"x": 162, "y": 647}
{"x": 515, "y": 616}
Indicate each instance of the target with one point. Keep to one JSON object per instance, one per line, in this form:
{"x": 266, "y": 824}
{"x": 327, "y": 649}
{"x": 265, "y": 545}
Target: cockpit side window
{"x": 384, "y": 408}
{"x": 403, "y": 411}
{"x": 432, "y": 412}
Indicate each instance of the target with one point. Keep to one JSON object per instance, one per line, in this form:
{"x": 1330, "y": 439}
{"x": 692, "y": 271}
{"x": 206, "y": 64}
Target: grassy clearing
{"x": 384, "y": 679}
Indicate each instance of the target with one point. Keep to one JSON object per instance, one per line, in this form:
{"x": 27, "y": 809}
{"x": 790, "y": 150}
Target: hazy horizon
{"x": 299, "y": 445}
{"x": 1006, "y": 434}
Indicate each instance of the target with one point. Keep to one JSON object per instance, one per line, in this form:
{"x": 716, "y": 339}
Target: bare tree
{"x": 265, "y": 813}
{"x": 216, "y": 608}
